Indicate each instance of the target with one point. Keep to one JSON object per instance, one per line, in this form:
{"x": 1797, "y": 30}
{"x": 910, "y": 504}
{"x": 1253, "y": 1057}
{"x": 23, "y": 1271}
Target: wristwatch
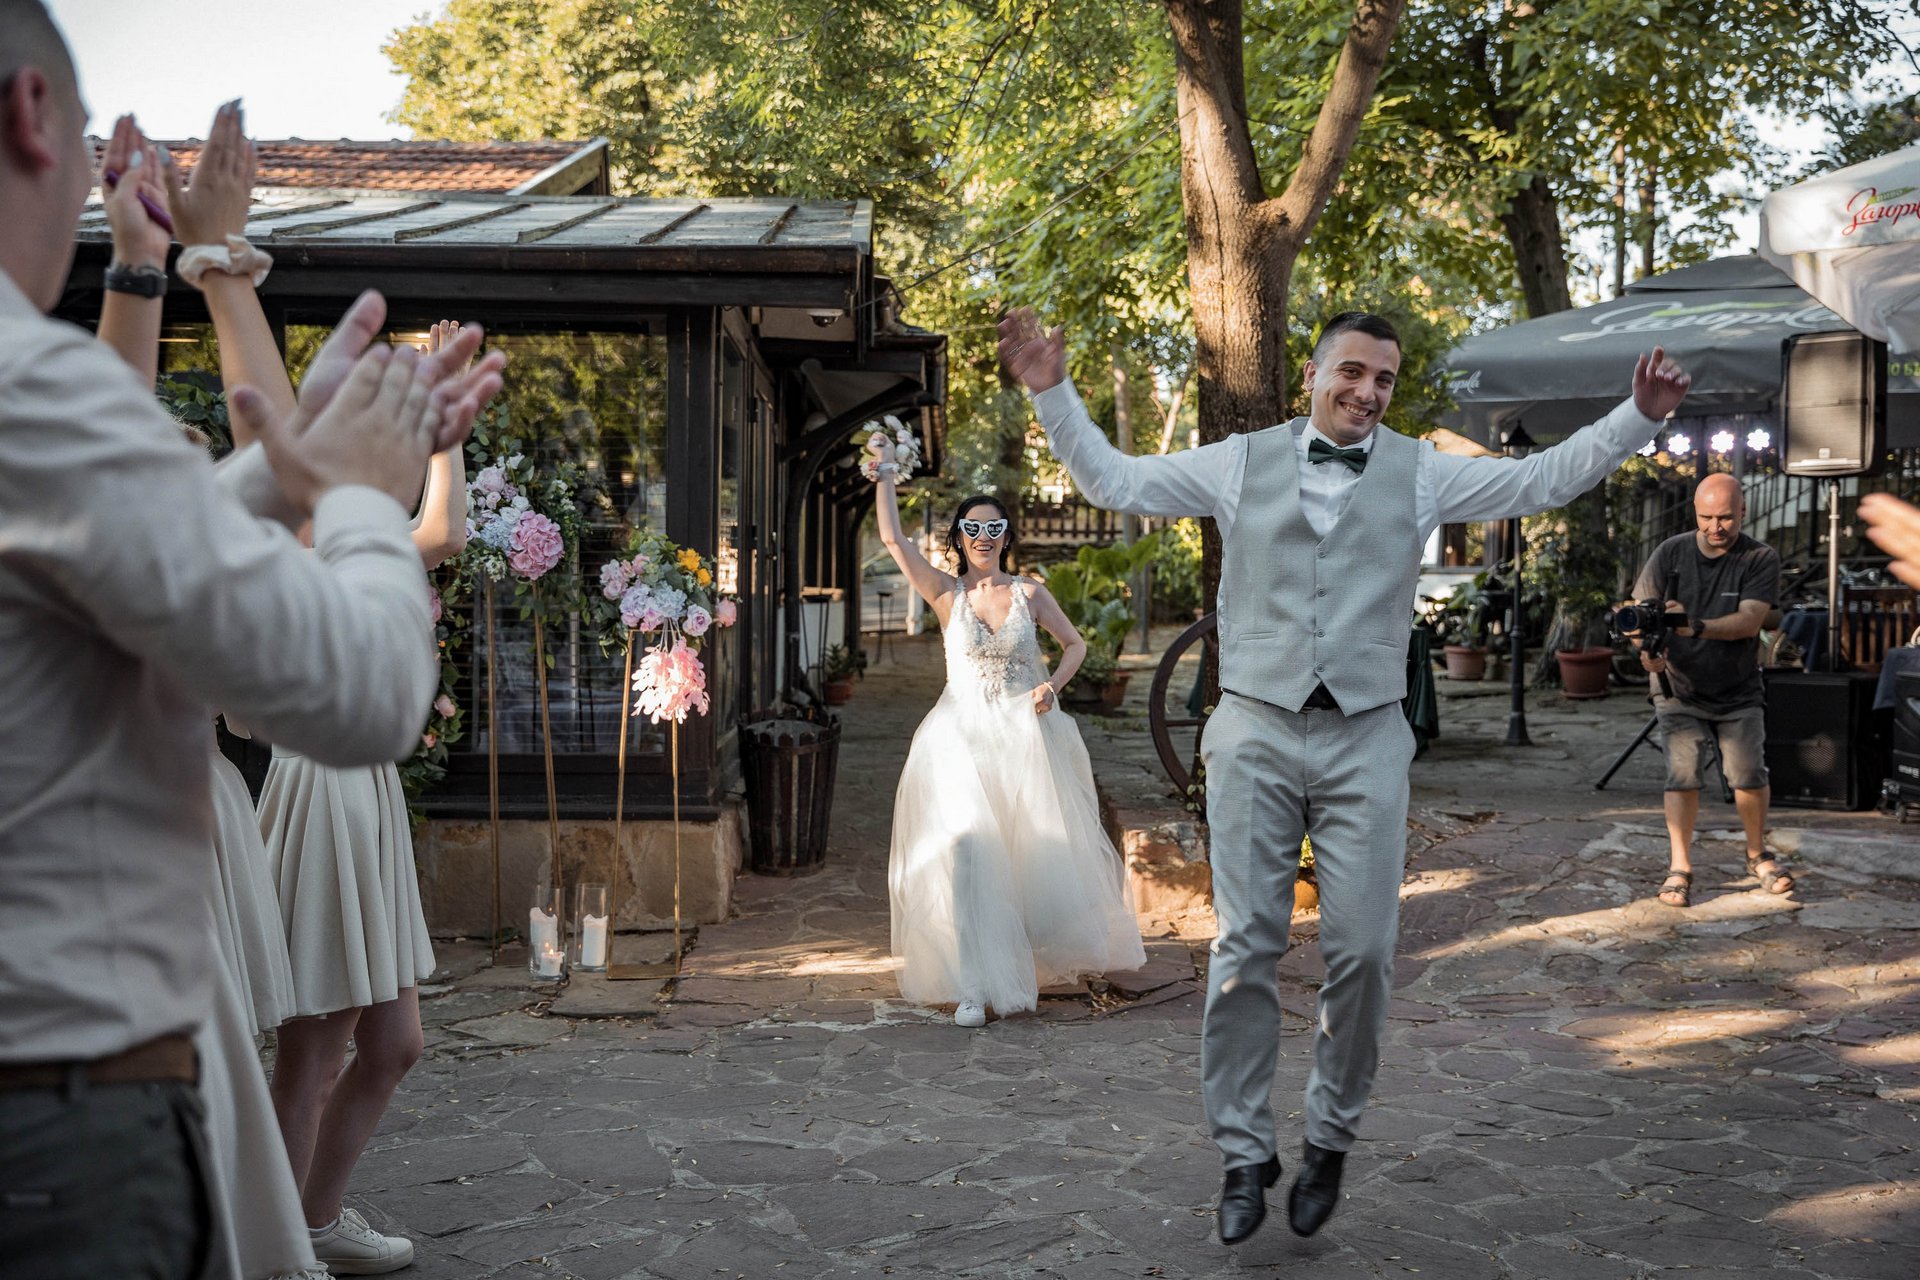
{"x": 142, "y": 282}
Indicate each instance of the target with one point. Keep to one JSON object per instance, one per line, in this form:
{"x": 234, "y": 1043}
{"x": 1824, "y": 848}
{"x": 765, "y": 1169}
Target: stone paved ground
{"x": 1580, "y": 1084}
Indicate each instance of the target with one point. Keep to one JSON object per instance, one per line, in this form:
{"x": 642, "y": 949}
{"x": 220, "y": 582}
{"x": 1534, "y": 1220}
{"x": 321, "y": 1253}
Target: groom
{"x": 1322, "y": 521}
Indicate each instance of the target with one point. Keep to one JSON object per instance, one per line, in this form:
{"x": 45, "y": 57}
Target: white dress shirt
{"x": 136, "y": 591}
{"x": 1448, "y": 489}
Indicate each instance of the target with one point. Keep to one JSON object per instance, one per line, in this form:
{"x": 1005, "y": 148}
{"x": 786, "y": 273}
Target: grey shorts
{"x": 1742, "y": 738}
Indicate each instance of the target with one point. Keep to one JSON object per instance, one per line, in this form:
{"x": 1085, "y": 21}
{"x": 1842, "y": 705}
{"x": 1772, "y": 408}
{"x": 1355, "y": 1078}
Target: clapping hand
{"x": 1036, "y": 358}
{"x": 215, "y": 204}
{"x": 1659, "y": 384}
{"x": 1895, "y": 527}
{"x": 131, "y": 175}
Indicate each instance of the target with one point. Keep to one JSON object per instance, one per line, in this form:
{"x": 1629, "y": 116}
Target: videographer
{"x": 1726, "y": 584}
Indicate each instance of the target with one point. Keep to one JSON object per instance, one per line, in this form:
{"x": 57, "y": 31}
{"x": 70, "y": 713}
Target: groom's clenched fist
{"x": 1036, "y": 358}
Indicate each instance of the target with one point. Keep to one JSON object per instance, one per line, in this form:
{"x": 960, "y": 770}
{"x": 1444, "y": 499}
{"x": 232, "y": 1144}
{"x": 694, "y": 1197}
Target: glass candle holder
{"x": 546, "y": 934}
{"x": 593, "y": 928}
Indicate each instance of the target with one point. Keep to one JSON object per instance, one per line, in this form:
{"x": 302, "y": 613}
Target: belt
{"x": 162, "y": 1058}
{"x": 1321, "y": 699}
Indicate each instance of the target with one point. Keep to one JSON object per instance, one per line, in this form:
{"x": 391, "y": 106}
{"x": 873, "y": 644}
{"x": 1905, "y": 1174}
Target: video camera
{"x": 1650, "y": 624}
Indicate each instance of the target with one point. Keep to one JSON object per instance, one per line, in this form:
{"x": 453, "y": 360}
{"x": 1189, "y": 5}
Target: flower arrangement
{"x": 668, "y": 593}
{"x": 520, "y": 525}
{"x": 906, "y": 449}
{"x": 446, "y": 719}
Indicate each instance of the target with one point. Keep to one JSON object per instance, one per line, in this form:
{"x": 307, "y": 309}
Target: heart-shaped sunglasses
{"x": 992, "y": 528}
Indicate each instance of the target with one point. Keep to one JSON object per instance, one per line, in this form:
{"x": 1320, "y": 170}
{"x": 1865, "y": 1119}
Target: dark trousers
{"x": 104, "y": 1180}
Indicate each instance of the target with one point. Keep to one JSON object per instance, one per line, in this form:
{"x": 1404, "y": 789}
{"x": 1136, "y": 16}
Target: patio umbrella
{"x": 1851, "y": 238}
{"x": 1724, "y": 320}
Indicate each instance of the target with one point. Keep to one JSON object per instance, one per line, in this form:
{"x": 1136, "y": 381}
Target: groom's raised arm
{"x": 1188, "y": 483}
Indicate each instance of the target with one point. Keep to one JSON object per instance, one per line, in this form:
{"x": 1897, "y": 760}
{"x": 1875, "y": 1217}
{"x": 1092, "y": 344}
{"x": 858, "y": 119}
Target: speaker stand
{"x": 1833, "y": 575}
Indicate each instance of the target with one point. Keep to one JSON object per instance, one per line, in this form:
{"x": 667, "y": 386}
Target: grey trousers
{"x": 105, "y": 1180}
{"x": 1273, "y": 776}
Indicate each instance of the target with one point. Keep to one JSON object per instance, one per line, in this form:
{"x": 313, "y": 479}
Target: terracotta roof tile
{"x": 394, "y": 165}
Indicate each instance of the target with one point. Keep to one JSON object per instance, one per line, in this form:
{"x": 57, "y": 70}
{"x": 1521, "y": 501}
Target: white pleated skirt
{"x": 246, "y": 908}
{"x": 342, "y": 859}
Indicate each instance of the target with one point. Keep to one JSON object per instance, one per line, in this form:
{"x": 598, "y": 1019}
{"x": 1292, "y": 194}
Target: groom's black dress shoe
{"x": 1316, "y": 1190}
{"x": 1243, "y": 1199}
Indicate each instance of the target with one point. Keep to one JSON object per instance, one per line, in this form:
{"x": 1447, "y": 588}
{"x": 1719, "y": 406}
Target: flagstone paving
{"x": 1579, "y": 1083}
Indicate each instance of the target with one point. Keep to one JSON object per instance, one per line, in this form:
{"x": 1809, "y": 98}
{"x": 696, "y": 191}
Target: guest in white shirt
{"x": 137, "y": 588}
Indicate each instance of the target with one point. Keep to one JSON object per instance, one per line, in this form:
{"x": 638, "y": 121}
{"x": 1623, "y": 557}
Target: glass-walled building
{"x": 704, "y": 368}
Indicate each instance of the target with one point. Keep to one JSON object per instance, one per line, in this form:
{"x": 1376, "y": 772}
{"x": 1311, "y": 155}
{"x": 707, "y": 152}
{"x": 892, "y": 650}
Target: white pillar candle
{"x": 550, "y": 962}
{"x": 593, "y": 941}
{"x": 543, "y": 931}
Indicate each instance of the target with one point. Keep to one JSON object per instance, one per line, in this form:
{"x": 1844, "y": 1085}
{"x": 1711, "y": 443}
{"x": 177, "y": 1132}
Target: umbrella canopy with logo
{"x": 1724, "y": 320}
{"x": 1851, "y": 238}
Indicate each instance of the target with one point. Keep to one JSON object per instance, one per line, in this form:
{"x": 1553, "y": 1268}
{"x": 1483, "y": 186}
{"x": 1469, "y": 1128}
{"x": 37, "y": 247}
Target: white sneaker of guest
{"x": 305, "y": 1273}
{"x": 970, "y": 1014}
{"x": 352, "y": 1248}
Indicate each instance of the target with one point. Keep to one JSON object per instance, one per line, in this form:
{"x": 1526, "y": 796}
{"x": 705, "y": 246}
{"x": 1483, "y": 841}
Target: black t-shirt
{"x": 1714, "y": 675}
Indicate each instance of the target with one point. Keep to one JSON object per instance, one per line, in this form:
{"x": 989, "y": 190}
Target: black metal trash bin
{"x": 789, "y": 758}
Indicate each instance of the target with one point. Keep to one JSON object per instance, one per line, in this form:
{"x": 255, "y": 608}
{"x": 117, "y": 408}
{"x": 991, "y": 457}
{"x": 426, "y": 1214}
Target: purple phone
{"x": 112, "y": 179}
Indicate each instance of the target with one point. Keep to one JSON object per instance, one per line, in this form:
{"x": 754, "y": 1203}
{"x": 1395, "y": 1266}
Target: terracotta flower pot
{"x": 1465, "y": 663}
{"x": 838, "y": 692}
{"x": 1584, "y": 672}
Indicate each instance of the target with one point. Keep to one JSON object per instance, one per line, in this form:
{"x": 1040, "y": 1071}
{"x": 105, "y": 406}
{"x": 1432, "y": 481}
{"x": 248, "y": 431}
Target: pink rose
{"x": 535, "y": 547}
{"x": 726, "y": 613}
{"x": 443, "y": 707}
{"x": 651, "y": 618}
{"x": 638, "y": 565}
{"x": 435, "y": 608}
{"x": 697, "y": 621}
{"x": 428, "y": 740}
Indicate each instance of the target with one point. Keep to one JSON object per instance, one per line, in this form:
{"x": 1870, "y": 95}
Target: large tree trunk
{"x": 1532, "y": 224}
{"x": 1241, "y": 243}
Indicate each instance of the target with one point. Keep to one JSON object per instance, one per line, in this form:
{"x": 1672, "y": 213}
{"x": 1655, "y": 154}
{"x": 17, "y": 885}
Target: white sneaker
{"x": 305, "y": 1273}
{"x": 970, "y": 1014}
{"x": 352, "y": 1248}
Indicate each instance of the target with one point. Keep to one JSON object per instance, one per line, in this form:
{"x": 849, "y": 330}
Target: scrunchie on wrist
{"x": 235, "y": 258}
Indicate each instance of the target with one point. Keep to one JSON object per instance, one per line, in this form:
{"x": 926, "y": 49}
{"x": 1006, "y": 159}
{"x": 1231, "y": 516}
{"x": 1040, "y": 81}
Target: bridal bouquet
{"x": 905, "y": 450}
{"x": 669, "y": 594}
{"x": 519, "y": 524}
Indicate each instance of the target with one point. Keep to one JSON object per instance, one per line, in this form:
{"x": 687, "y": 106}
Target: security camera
{"x": 824, "y": 316}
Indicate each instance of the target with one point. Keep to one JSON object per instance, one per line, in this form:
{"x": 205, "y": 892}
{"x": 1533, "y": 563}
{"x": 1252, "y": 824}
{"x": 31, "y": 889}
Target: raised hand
{"x": 215, "y": 204}
{"x": 1894, "y": 526}
{"x": 470, "y": 384}
{"x": 131, "y": 175}
{"x": 1037, "y": 359}
{"x": 1659, "y": 384}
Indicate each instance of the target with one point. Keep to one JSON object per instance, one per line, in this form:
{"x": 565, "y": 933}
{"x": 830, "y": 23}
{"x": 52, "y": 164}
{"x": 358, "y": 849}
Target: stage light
{"x": 1722, "y": 442}
{"x": 1758, "y": 440}
{"x": 1679, "y": 444}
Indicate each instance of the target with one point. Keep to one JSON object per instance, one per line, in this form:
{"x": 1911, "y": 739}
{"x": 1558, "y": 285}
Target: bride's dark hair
{"x": 954, "y": 539}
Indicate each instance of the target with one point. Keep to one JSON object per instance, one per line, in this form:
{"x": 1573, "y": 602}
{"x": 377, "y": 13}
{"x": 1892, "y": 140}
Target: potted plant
{"x": 1580, "y": 573}
{"x": 1463, "y": 629}
{"x": 1093, "y": 592}
{"x": 838, "y": 667}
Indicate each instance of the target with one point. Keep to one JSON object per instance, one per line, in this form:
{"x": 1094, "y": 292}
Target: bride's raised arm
{"x": 927, "y": 580}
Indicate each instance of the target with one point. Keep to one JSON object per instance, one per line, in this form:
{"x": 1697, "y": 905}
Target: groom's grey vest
{"x": 1298, "y": 610}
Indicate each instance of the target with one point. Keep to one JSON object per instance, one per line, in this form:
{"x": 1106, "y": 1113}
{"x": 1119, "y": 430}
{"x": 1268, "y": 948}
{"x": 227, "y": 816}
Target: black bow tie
{"x": 1319, "y": 451}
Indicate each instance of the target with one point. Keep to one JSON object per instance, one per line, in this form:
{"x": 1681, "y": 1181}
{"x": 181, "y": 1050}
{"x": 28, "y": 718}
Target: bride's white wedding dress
{"x": 1002, "y": 878}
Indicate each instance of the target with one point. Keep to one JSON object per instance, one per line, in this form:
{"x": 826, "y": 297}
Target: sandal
{"x": 1678, "y": 884}
{"x": 1773, "y": 881}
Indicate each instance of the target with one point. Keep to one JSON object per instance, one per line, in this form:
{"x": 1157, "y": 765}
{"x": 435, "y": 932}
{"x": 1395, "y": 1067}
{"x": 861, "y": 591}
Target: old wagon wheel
{"x": 1177, "y": 762}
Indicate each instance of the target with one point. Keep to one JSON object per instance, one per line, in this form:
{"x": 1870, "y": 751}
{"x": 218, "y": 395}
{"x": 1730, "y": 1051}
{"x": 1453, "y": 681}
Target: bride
{"x": 1002, "y": 878}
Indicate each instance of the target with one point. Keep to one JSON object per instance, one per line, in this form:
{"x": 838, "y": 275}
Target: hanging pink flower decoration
{"x": 443, "y": 706}
{"x": 726, "y": 613}
{"x": 696, "y": 622}
{"x": 670, "y": 682}
{"x": 535, "y": 547}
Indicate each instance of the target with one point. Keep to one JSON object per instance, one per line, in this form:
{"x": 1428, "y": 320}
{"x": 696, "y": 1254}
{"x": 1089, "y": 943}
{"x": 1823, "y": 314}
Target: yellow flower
{"x": 703, "y": 577}
{"x": 690, "y": 560}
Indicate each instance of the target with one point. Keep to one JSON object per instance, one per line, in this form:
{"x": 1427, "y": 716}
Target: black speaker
{"x": 1825, "y": 747}
{"x": 1905, "y": 756}
{"x": 1833, "y": 404}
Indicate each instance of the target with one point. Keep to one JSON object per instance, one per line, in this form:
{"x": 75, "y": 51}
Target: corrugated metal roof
{"x": 464, "y": 220}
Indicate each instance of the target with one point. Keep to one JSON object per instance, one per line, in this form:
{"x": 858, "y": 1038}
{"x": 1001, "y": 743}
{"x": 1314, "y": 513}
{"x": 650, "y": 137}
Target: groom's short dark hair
{"x": 1354, "y": 322}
